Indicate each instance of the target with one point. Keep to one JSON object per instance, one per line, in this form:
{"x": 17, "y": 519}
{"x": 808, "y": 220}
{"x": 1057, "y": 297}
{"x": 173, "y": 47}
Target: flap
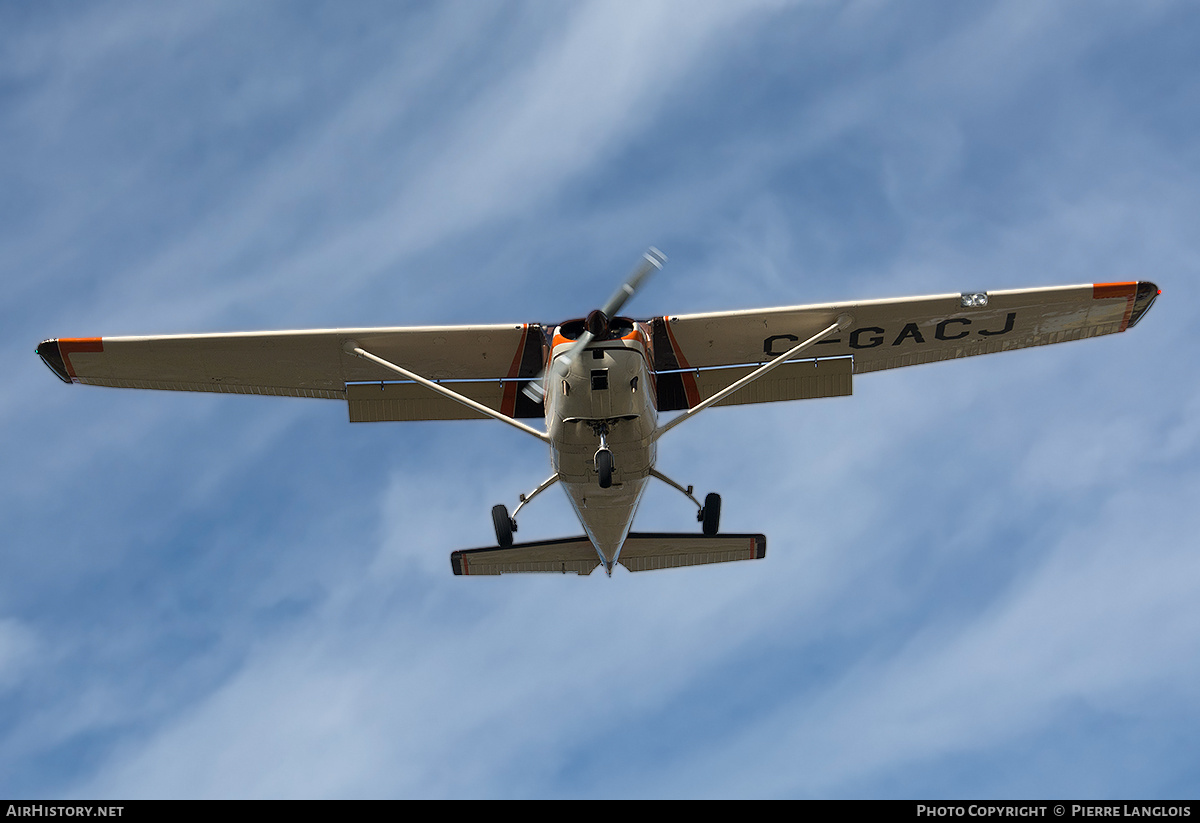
{"x": 378, "y": 402}
{"x": 796, "y": 380}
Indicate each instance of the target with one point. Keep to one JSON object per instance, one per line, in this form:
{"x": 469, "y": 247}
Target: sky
{"x": 981, "y": 575}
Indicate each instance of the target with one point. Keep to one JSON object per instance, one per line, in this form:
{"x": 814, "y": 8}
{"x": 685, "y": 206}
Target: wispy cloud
{"x": 975, "y": 570}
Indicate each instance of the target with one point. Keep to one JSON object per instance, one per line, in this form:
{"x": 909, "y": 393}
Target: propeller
{"x": 597, "y": 322}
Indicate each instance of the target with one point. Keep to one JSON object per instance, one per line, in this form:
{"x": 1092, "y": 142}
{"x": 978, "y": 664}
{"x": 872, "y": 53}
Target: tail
{"x": 641, "y": 552}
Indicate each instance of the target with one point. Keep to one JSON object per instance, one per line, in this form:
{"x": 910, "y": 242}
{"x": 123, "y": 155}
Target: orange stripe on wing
{"x": 689, "y": 380}
{"x": 508, "y": 403}
{"x": 1104, "y": 291}
{"x": 69, "y": 345}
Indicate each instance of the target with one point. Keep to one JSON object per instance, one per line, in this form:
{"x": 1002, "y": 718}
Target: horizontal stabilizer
{"x": 641, "y": 552}
{"x": 574, "y": 555}
{"x": 645, "y": 552}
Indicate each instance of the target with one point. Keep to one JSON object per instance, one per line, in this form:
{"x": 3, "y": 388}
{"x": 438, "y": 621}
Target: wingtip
{"x": 51, "y": 355}
{"x": 1144, "y": 298}
{"x": 1139, "y": 296}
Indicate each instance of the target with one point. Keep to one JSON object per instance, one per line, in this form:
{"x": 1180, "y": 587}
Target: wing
{"x": 493, "y": 360}
{"x": 887, "y": 334}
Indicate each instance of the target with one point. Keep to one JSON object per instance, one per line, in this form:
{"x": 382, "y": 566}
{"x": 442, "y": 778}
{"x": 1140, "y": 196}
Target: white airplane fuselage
{"x": 607, "y": 391}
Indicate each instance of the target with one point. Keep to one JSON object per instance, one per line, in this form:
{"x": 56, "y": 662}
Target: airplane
{"x": 600, "y": 382}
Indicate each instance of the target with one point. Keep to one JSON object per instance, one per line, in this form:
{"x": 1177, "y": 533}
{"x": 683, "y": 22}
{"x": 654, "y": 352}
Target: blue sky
{"x": 981, "y": 576}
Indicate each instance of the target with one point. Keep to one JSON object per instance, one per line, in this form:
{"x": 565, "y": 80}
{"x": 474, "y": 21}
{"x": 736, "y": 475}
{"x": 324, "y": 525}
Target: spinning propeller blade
{"x": 651, "y": 262}
{"x": 598, "y": 320}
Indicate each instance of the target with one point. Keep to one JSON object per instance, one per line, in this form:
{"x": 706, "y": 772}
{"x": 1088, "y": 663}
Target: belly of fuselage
{"x": 607, "y": 391}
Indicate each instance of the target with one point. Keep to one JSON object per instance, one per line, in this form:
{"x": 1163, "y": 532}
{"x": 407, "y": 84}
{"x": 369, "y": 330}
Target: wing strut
{"x": 843, "y": 322}
{"x": 352, "y": 347}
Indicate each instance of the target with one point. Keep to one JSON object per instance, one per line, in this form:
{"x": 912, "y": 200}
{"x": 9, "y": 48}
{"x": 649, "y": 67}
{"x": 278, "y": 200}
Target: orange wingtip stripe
{"x": 70, "y": 345}
{"x": 1101, "y": 291}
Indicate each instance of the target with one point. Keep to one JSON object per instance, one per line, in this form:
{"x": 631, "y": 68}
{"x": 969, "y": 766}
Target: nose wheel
{"x": 604, "y": 457}
{"x": 604, "y": 467}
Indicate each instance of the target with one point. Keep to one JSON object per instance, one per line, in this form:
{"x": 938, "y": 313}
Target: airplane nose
{"x": 597, "y": 323}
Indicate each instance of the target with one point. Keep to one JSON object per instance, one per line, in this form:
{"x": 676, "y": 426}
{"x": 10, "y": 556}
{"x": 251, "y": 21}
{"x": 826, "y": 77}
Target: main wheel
{"x": 711, "y": 514}
{"x": 504, "y": 526}
{"x": 604, "y": 467}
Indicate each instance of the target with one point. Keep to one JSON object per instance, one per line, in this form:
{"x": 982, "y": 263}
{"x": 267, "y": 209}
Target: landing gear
{"x": 504, "y": 526}
{"x": 604, "y": 458}
{"x": 710, "y": 515}
{"x": 604, "y": 468}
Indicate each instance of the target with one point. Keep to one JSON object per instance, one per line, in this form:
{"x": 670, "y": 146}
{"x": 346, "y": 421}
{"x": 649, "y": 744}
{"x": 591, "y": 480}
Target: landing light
{"x": 973, "y": 300}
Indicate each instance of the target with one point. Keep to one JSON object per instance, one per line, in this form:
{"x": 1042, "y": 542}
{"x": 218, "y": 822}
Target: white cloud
{"x": 18, "y": 645}
{"x": 258, "y": 597}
